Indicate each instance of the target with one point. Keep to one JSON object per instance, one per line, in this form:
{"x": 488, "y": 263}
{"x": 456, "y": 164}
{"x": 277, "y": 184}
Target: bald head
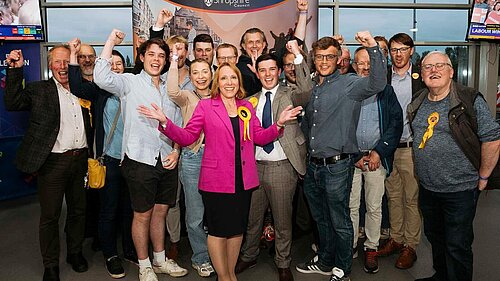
{"x": 86, "y": 60}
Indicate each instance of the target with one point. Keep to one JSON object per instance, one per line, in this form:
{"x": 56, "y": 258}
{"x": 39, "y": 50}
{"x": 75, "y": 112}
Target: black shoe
{"x": 114, "y": 267}
{"x": 51, "y": 274}
{"x": 78, "y": 262}
{"x": 426, "y": 279}
{"x": 244, "y": 265}
{"x": 131, "y": 257}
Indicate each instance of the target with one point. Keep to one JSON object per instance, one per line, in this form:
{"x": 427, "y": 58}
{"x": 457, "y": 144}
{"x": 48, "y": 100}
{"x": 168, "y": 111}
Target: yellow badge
{"x": 86, "y": 104}
{"x": 254, "y": 101}
{"x": 415, "y": 75}
{"x": 432, "y": 120}
{"x": 245, "y": 115}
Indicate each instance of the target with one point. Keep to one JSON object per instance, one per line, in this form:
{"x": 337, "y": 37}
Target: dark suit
{"x": 278, "y": 179}
{"x": 59, "y": 174}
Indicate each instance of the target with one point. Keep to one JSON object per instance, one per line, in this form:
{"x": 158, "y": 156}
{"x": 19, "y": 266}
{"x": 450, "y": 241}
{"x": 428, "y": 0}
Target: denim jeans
{"x": 448, "y": 225}
{"x": 189, "y": 176}
{"x": 116, "y": 211}
{"x": 327, "y": 189}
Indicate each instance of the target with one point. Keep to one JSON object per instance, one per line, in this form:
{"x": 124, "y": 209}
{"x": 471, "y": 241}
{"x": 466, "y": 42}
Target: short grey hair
{"x": 437, "y": 53}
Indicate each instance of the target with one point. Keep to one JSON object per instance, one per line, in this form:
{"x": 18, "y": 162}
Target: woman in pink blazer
{"x": 228, "y": 168}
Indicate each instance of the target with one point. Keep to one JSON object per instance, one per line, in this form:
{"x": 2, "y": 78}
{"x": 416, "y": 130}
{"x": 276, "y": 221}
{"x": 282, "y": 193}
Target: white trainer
{"x": 147, "y": 274}
{"x": 205, "y": 269}
{"x": 171, "y": 268}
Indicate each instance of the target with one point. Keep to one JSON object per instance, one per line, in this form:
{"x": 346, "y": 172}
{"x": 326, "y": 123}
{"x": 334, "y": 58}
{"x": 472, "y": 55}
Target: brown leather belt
{"x": 329, "y": 160}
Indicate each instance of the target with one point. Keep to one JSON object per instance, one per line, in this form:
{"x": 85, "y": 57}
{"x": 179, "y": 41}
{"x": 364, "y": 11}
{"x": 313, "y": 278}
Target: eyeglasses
{"x": 362, "y": 63}
{"x": 439, "y": 66}
{"x": 84, "y": 57}
{"x": 228, "y": 58}
{"x": 329, "y": 57}
{"x": 346, "y": 61}
{"x": 289, "y": 66}
{"x": 403, "y": 50}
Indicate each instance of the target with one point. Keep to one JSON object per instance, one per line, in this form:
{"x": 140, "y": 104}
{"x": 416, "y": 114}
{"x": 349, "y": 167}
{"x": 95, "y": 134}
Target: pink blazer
{"x": 217, "y": 166}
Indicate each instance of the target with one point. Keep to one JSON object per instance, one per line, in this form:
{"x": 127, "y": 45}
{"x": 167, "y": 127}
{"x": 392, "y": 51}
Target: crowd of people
{"x": 361, "y": 141}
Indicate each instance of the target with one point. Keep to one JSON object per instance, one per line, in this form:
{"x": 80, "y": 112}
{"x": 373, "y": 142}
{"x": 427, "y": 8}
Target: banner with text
{"x": 225, "y": 20}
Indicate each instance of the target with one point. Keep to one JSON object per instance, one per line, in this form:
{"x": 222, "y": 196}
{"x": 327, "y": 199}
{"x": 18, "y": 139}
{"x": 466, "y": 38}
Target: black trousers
{"x": 62, "y": 175}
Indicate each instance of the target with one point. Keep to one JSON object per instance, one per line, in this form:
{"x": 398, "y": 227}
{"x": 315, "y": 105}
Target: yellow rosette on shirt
{"x": 432, "y": 120}
{"x": 86, "y": 104}
{"x": 245, "y": 115}
{"x": 254, "y": 101}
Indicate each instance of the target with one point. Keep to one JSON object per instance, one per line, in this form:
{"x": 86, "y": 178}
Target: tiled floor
{"x": 20, "y": 258}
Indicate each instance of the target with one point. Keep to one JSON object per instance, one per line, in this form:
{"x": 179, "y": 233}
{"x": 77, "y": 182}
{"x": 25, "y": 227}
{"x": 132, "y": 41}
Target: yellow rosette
{"x": 254, "y": 101}
{"x": 245, "y": 115}
{"x": 86, "y": 104}
{"x": 432, "y": 120}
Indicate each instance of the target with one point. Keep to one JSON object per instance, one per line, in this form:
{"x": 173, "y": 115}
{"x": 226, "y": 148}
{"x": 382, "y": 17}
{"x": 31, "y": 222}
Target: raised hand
{"x": 75, "y": 45}
{"x": 153, "y": 113}
{"x": 302, "y": 5}
{"x": 339, "y": 38}
{"x": 293, "y": 47}
{"x": 116, "y": 37}
{"x": 365, "y": 39}
{"x": 288, "y": 114}
{"x": 15, "y": 59}
{"x": 254, "y": 55}
{"x": 163, "y": 18}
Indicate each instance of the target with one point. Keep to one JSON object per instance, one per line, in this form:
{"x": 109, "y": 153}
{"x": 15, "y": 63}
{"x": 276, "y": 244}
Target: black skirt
{"x": 226, "y": 214}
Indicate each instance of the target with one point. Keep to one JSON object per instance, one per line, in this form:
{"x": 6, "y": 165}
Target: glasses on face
{"x": 329, "y": 57}
{"x": 346, "y": 61}
{"x": 289, "y": 66}
{"x": 439, "y": 66}
{"x": 402, "y": 50}
{"x": 86, "y": 57}
{"x": 362, "y": 64}
{"x": 225, "y": 59}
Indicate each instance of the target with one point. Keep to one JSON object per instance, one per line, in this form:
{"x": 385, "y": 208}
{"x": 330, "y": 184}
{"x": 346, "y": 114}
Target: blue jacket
{"x": 391, "y": 126}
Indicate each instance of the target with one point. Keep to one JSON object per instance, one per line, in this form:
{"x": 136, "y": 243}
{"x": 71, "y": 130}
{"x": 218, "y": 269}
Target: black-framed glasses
{"x": 403, "y": 50}
{"x": 439, "y": 66}
{"x": 289, "y": 66}
{"x": 329, "y": 57}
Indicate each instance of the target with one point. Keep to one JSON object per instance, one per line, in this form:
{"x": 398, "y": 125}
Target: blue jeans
{"x": 327, "y": 189}
{"x": 115, "y": 211}
{"x": 448, "y": 225}
{"x": 189, "y": 176}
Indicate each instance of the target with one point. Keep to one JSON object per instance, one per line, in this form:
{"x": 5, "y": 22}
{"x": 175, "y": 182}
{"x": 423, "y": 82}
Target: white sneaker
{"x": 204, "y": 270}
{"x": 147, "y": 274}
{"x": 171, "y": 268}
{"x": 338, "y": 275}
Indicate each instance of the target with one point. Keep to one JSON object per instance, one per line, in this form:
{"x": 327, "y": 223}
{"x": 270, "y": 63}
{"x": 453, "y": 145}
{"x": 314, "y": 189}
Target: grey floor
{"x": 20, "y": 257}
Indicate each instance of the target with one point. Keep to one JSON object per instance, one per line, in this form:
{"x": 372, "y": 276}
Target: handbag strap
{"x": 112, "y": 131}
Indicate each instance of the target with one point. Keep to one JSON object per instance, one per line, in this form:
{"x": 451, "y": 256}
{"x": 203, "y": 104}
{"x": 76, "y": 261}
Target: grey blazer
{"x": 292, "y": 140}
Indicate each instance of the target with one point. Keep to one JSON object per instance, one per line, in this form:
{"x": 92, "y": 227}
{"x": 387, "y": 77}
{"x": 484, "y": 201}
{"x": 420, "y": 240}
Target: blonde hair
{"x": 177, "y": 39}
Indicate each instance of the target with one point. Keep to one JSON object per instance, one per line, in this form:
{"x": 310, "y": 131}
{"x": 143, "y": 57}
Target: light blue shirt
{"x": 368, "y": 132}
{"x": 114, "y": 149}
{"x": 402, "y": 88}
{"x": 142, "y": 141}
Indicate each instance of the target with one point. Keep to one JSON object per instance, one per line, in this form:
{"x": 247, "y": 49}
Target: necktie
{"x": 267, "y": 120}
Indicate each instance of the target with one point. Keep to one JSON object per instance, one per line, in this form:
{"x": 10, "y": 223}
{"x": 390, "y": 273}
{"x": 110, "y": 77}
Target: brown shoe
{"x": 285, "y": 274}
{"x": 244, "y": 265}
{"x": 173, "y": 251}
{"x": 406, "y": 258}
{"x": 389, "y": 248}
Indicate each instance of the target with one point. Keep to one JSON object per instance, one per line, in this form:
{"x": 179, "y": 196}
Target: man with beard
{"x": 330, "y": 126}
{"x": 86, "y": 60}
{"x": 401, "y": 186}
